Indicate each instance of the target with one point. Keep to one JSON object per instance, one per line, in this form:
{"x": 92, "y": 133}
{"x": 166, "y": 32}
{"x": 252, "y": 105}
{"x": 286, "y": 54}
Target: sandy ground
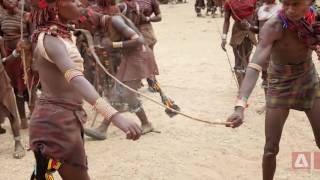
{"x": 195, "y": 72}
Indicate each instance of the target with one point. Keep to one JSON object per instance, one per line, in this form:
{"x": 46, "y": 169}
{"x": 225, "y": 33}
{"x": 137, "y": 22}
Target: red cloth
{"x": 307, "y": 28}
{"x": 15, "y": 72}
{"x": 240, "y": 9}
{"x": 56, "y": 130}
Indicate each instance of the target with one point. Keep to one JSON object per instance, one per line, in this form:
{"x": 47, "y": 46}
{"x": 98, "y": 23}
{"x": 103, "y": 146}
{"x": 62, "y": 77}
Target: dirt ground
{"x": 196, "y": 74}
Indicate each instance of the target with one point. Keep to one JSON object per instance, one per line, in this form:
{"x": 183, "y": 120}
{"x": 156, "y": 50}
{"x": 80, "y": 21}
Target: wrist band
{"x": 104, "y": 108}
{"x": 241, "y": 102}
{"x": 117, "y": 44}
{"x": 15, "y": 54}
{"x": 255, "y": 66}
{"x": 224, "y": 36}
{"x": 72, "y": 73}
{"x": 148, "y": 19}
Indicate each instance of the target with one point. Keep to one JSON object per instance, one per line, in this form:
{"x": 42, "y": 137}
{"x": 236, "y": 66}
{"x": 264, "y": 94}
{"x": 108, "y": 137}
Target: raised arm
{"x": 133, "y": 38}
{"x": 270, "y": 32}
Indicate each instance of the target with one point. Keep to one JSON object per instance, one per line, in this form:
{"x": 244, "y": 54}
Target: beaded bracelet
{"x": 242, "y": 102}
{"x": 104, "y": 108}
{"x": 117, "y": 44}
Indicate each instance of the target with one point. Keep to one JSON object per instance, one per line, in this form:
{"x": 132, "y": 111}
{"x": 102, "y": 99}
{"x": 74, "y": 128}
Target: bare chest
{"x": 290, "y": 49}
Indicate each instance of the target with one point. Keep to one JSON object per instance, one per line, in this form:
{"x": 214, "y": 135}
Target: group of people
{"x": 40, "y": 52}
{"x": 46, "y": 46}
{"x": 212, "y": 7}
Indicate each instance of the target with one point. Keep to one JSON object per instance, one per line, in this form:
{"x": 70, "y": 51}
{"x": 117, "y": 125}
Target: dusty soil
{"x": 196, "y": 74}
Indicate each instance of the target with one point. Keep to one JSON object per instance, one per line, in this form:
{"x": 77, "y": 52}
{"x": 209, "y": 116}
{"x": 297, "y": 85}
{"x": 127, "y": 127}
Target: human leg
{"x": 238, "y": 69}
{"x": 22, "y": 111}
{"x": 9, "y": 108}
{"x": 274, "y": 122}
{"x": 19, "y": 150}
{"x": 69, "y": 172}
{"x": 313, "y": 116}
{"x": 45, "y": 167}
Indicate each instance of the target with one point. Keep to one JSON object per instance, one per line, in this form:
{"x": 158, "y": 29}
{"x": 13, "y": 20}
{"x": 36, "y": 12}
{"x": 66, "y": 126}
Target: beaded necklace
{"x": 306, "y": 28}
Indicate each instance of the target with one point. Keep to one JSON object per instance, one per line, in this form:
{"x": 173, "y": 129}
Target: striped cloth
{"x": 292, "y": 86}
{"x": 10, "y": 27}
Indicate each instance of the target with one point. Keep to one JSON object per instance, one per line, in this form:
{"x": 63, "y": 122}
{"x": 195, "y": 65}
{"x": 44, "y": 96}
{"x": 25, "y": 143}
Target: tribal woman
{"x": 10, "y": 29}
{"x": 288, "y": 38}
{"x": 137, "y": 63}
{"x": 8, "y": 106}
{"x": 56, "y": 125}
{"x": 143, "y": 13}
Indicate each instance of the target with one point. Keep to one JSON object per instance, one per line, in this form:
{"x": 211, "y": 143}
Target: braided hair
{"x": 44, "y": 17}
{"x": 43, "y": 11}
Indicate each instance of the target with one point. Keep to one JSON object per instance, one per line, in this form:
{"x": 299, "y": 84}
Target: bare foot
{"x": 97, "y": 134}
{"x": 147, "y": 128}
{"x": 19, "y": 151}
{"x": 261, "y": 110}
{"x": 24, "y": 124}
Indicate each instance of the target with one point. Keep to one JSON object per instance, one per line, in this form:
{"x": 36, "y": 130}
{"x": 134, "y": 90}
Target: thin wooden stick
{"x": 92, "y": 51}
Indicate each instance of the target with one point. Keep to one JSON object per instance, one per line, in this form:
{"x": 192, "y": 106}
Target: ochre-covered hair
{"x": 44, "y": 17}
{"x": 43, "y": 11}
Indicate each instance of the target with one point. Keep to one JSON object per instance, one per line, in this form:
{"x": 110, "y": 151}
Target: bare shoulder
{"x": 116, "y": 20}
{"x": 50, "y": 42}
{"x": 54, "y": 47}
{"x": 272, "y": 28}
{"x": 274, "y": 24}
{"x": 118, "y": 23}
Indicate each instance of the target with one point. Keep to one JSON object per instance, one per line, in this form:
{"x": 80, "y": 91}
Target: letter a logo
{"x": 301, "y": 160}
{"x": 317, "y": 160}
